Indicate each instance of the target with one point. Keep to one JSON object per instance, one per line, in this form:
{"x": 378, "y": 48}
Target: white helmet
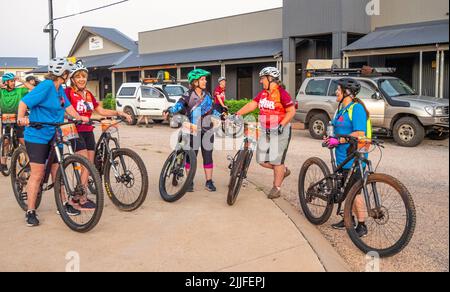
{"x": 79, "y": 66}
{"x": 270, "y": 71}
{"x": 58, "y": 66}
{"x": 222, "y": 79}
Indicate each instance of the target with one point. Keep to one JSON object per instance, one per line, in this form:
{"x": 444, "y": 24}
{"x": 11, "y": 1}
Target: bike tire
{"x": 163, "y": 177}
{"x": 18, "y": 186}
{"x": 410, "y": 212}
{"x": 127, "y": 207}
{"x": 304, "y": 201}
{"x": 237, "y": 177}
{"x": 83, "y": 162}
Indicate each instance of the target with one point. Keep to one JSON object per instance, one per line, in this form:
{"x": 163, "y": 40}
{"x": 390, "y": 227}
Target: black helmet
{"x": 350, "y": 84}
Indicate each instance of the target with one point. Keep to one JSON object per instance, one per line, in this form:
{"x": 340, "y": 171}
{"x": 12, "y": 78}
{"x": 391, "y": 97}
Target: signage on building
{"x": 95, "y": 43}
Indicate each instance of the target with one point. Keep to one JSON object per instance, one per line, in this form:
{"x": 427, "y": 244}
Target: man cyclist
{"x": 10, "y": 97}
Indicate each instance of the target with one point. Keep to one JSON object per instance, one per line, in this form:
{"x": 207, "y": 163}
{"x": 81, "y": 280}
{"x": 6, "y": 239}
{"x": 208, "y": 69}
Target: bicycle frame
{"x": 365, "y": 172}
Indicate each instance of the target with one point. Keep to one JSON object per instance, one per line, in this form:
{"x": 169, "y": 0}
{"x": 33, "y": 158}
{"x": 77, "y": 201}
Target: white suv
{"x": 137, "y": 99}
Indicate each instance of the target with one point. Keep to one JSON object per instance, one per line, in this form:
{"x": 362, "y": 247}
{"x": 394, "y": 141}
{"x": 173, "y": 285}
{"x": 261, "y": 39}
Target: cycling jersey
{"x": 272, "y": 106}
{"x": 84, "y": 106}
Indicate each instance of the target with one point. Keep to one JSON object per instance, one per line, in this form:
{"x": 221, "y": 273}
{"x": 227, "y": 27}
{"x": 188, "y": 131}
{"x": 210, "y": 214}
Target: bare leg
{"x": 209, "y": 174}
{"x": 359, "y": 208}
{"x": 34, "y": 183}
{"x": 279, "y": 172}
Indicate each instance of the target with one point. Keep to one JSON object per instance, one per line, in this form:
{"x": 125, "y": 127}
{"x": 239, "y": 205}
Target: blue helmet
{"x": 7, "y": 77}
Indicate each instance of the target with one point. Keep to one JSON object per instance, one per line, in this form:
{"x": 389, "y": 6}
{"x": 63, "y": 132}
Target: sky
{"x": 25, "y": 20}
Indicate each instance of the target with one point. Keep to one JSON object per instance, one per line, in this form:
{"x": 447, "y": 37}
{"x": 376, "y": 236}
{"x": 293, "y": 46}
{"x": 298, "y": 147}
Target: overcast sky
{"x": 26, "y": 19}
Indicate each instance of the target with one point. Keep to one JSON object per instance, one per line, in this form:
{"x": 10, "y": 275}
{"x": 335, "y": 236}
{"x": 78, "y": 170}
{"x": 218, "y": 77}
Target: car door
{"x": 152, "y": 102}
{"x": 374, "y": 103}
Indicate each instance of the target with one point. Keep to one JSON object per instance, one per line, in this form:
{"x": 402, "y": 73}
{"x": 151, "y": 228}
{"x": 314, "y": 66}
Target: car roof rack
{"x": 163, "y": 78}
{"x": 365, "y": 71}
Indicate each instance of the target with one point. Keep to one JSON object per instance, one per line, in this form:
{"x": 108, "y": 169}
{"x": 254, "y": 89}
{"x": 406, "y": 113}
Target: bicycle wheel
{"x": 8, "y": 151}
{"x": 75, "y": 190}
{"x": 20, "y": 173}
{"x": 175, "y": 177}
{"x": 316, "y": 202}
{"x": 391, "y": 227}
{"x": 128, "y": 189}
{"x": 238, "y": 173}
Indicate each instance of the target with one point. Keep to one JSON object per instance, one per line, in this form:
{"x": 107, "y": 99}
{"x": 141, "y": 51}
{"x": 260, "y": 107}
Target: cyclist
{"x": 47, "y": 104}
{"x": 10, "y": 97}
{"x": 199, "y": 105}
{"x": 84, "y": 102}
{"x": 220, "y": 95}
{"x": 352, "y": 118}
{"x": 276, "y": 112}
{"x": 32, "y": 80}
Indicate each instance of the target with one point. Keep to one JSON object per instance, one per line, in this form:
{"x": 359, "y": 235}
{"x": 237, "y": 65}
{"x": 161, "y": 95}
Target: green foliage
{"x": 235, "y": 105}
{"x": 109, "y": 102}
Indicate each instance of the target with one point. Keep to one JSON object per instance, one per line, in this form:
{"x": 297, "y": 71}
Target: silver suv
{"x": 396, "y": 110}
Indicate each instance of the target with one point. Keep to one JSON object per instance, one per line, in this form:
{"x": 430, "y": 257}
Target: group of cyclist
{"x": 49, "y": 102}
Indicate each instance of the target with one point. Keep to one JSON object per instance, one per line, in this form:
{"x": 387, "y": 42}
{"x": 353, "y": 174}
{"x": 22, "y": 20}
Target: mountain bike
{"x": 383, "y": 200}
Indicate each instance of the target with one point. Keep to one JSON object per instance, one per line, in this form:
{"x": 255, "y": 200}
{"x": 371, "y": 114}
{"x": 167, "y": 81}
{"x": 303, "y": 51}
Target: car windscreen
{"x": 174, "y": 90}
{"x": 395, "y": 87}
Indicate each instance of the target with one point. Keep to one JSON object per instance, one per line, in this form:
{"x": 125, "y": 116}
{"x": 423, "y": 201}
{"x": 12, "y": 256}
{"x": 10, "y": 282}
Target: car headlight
{"x": 439, "y": 111}
{"x": 430, "y": 110}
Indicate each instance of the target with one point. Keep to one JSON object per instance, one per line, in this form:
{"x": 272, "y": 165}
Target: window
{"x": 318, "y": 87}
{"x": 148, "y": 92}
{"x": 367, "y": 90}
{"x": 175, "y": 90}
{"x": 127, "y": 91}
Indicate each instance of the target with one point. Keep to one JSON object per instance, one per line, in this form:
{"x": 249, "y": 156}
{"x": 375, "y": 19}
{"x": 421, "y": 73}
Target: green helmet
{"x": 197, "y": 74}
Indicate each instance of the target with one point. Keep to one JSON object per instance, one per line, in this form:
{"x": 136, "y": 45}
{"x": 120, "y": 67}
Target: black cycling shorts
{"x": 85, "y": 142}
{"x": 39, "y": 153}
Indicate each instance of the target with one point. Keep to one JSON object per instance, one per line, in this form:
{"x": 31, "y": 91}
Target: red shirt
{"x": 219, "y": 93}
{"x": 84, "y": 107}
{"x": 272, "y": 106}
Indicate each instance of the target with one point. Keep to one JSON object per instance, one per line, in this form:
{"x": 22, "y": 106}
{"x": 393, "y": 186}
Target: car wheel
{"x": 318, "y": 126}
{"x": 408, "y": 132}
{"x": 129, "y": 111}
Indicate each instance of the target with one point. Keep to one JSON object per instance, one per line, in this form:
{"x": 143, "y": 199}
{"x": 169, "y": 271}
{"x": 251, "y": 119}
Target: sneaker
{"x": 275, "y": 193}
{"x": 361, "y": 230}
{"x": 190, "y": 188}
{"x": 341, "y": 225}
{"x": 88, "y": 205}
{"x": 70, "y": 210}
{"x": 32, "y": 219}
{"x": 210, "y": 186}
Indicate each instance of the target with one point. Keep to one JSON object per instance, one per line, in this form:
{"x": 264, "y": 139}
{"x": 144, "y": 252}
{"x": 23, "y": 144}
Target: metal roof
{"x": 111, "y": 34}
{"x": 417, "y": 34}
{"x": 258, "y": 49}
{"x": 6, "y": 62}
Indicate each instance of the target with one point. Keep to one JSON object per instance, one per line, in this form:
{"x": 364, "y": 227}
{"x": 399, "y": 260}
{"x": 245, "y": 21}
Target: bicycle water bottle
{"x": 330, "y": 130}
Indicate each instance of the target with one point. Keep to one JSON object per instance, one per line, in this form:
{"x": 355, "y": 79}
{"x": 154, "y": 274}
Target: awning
{"x": 259, "y": 49}
{"x": 417, "y": 34}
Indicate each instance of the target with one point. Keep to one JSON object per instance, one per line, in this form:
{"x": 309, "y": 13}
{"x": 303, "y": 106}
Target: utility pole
{"x": 51, "y": 30}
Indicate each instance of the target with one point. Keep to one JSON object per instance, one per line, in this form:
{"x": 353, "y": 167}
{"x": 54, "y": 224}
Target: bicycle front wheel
{"x": 71, "y": 194}
{"x": 128, "y": 188}
{"x": 176, "y": 176}
{"x": 238, "y": 173}
{"x": 391, "y": 225}
{"x": 315, "y": 191}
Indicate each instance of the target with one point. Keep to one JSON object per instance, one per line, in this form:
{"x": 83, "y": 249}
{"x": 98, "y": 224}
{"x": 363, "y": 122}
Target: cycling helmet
{"x": 197, "y": 74}
{"x": 8, "y": 77}
{"x": 350, "y": 84}
{"x": 58, "y": 66}
{"x": 79, "y": 66}
{"x": 270, "y": 71}
{"x": 222, "y": 79}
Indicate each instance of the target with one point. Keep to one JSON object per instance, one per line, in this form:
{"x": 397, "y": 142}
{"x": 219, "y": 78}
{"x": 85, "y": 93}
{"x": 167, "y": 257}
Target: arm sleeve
{"x": 180, "y": 105}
